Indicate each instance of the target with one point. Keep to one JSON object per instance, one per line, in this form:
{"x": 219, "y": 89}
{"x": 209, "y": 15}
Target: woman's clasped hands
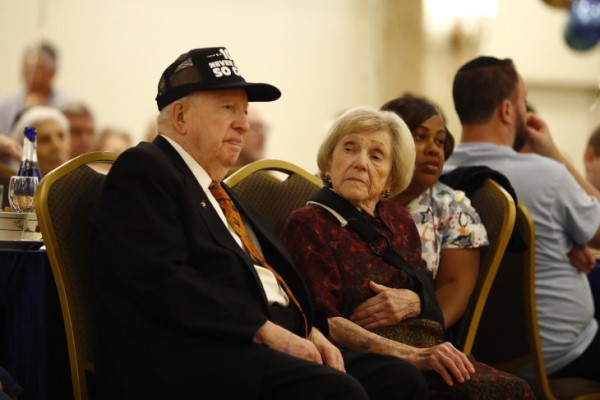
{"x": 388, "y": 307}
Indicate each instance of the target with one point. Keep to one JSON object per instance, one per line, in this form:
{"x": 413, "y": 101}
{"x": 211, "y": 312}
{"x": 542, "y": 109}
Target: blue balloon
{"x": 583, "y": 29}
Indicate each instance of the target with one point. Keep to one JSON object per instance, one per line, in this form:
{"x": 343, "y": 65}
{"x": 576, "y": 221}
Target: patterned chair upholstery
{"x": 497, "y": 211}
{"x": 272, "y": 196}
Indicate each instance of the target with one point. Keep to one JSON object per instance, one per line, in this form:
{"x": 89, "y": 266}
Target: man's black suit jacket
{"x": 178, "y": 300}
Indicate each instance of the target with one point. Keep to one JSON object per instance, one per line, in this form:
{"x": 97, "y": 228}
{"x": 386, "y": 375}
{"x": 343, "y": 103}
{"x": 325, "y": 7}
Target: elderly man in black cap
{"x": 197, "y": 298}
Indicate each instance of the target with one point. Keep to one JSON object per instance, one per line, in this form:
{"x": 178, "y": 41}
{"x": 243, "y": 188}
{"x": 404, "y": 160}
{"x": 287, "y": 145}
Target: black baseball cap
{"x": 207, "y": 69}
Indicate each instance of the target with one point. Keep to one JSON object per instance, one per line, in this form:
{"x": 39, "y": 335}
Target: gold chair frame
{"x": 274, "y": 198}
{"x": 518, "y": 268}
{"x": 79, "y": 363}
{"x": 517, "y": 274}
{"x": 499, "y": 221}
{"x": 270, "y": 165}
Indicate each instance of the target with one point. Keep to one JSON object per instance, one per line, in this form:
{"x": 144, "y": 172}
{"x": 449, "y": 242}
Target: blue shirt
{"x": 563, "y": 214}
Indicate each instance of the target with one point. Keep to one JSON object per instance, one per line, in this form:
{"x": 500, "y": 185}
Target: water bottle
{"x": 29, "y": 162}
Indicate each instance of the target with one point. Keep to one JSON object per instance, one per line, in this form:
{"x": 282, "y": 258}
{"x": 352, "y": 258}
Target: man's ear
{"x": 178, "y": 116}
{"x": 506, "y": 111}
{"x": 588, "y": 158}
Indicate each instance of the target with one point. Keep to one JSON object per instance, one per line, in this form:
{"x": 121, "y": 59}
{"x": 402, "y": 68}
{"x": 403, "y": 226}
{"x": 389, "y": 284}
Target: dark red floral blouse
{"x": 338, "y": 264}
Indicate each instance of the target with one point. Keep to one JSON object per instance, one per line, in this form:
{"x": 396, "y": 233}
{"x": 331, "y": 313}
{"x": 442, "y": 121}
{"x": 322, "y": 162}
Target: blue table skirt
{"x": 32, "y": 337}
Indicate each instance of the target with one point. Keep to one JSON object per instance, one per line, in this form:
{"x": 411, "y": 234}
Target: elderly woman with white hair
{"x": 52, "y": 135}
{"x": 349, "y": 243}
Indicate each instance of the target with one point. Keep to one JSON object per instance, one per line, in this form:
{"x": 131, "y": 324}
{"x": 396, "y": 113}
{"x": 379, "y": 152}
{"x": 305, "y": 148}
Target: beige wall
{"x": 326, "y": 56}
{"x": 561, "y": 82}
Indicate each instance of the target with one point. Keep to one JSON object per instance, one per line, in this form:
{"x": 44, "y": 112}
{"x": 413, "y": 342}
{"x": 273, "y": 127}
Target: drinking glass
{"x": 20, "y": 193}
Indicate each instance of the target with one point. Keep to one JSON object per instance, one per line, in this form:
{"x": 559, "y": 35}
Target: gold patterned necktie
{"x": 234, "y": 220}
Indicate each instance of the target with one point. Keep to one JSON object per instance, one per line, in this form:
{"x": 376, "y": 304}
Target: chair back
{"x": 64, "y": 200}
{"x": 272, "y": 196}
{"x": 497, "y": 211}
{"x": 508, "y": 335}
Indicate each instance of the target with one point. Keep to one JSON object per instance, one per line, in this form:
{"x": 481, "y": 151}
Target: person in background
{"x": 196, "y": 296}
{"x": 82, "y": 127}
{"x": 581, "y": 256}
{"x": 254, "y": 146}
{"x": 10, "y": 150}
{"x": 490, "y": 100}
{"x": 451, "y": 231}
{"x": 52, "y": 129}
{"x": 39, "y": 67}
{"x": 114, "y": 140}
{"x": 591, "y": 162}
{"x": 591, "y": 159}
{"x": 369, "y": 156}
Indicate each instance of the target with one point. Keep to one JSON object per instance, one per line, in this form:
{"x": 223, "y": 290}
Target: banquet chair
{"x": 64, "y": 200}
{"x": 497, "y": 211}
{"x": 274, "y": 197}
{"x": 508, "y": 336}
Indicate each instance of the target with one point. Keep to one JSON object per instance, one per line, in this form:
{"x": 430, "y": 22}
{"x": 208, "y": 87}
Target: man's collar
{"x": 199, "y": 173}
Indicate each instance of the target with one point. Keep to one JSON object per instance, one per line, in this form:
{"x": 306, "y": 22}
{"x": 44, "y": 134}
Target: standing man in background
{"x": 38, "y": 68}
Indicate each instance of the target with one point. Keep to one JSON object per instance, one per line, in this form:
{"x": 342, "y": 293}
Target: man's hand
{"x": 280, "y": 339}
{"x": 582, "y": 258}
{"x": 10, "y": 147}
{"x": 388, "y": 307}
{"x": 539, "y": 139}
{"x": 446, "y": 360}
{"x": 330, "y": 354}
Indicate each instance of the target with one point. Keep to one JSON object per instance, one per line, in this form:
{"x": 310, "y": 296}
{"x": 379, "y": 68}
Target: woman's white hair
{"x": 37, "y": 114}
{"x": 368, "y": 119}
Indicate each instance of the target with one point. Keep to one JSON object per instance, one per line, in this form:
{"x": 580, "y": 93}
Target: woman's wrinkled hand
{"x": 388, "y": 307}
{"x": 446, "y": 360}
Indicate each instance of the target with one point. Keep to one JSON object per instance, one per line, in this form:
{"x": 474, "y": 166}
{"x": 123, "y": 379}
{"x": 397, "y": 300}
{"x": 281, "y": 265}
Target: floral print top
{"x": 445, "y": 219}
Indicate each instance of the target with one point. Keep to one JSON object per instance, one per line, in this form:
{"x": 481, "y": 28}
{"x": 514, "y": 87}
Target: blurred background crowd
{"x": 328, "y": 57}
